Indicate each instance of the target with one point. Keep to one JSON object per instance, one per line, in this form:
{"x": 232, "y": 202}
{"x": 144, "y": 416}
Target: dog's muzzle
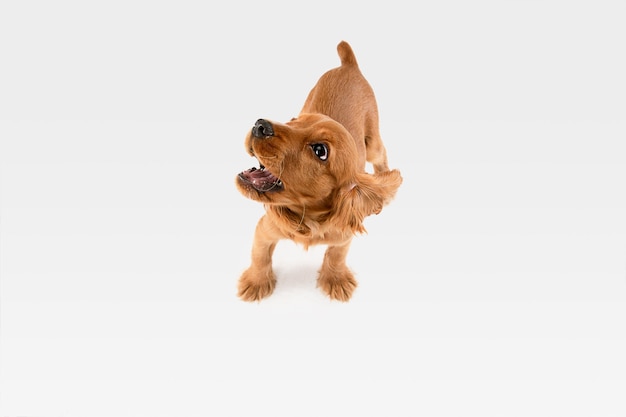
{"x": 262, "y": 129}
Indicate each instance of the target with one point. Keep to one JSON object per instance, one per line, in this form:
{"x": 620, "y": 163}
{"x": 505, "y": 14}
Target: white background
{"x": 493, "y": 285}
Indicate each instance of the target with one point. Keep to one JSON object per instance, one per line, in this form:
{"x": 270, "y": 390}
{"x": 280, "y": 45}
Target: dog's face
{"x": 312, "y": 164}
{"x": 302, "y": 162}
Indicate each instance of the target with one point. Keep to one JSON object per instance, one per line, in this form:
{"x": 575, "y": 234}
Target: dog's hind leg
{"x": 375, "y": 152}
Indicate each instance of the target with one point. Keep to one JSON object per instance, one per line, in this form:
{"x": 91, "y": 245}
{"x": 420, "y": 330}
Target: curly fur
{"x": 313, "y": 200}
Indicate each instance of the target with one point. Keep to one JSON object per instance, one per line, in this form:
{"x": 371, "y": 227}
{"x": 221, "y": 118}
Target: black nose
{"x": 262, "y": 129}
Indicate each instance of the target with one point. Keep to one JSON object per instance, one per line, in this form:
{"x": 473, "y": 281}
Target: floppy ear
{"x": 365, "y": 196}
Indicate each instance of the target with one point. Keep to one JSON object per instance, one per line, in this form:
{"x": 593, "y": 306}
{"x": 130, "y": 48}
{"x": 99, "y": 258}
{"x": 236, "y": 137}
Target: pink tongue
{"x": 261, "y": 179}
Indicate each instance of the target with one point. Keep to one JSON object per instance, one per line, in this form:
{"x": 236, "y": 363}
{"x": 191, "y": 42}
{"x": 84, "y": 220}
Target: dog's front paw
{"x": 338, "y": 285}
{"x": 254, "y": 286}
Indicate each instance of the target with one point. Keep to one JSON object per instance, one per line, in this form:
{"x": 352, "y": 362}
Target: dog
{"x": 312, "y": 179}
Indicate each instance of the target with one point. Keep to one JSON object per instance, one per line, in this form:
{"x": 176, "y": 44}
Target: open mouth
{"x": 261, "y": 179}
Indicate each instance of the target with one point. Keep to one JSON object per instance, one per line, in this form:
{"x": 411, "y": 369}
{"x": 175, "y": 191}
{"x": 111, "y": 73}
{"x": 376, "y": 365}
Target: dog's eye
{"x": 321, "y": 151}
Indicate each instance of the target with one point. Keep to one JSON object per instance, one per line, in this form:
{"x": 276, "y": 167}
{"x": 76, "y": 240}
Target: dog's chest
{"x": 313, "y": 233}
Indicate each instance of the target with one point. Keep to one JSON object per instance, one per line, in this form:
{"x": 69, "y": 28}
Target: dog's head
{"x": 311, "y": 164}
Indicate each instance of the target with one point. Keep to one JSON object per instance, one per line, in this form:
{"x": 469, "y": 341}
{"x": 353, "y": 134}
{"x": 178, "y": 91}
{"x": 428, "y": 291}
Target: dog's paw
{"x": 338, "y": 285}
{"x": 254, "y": 286}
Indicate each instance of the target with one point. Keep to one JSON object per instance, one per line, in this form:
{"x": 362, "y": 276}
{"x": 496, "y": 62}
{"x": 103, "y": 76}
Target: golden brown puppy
{"x": 312, "y": 178}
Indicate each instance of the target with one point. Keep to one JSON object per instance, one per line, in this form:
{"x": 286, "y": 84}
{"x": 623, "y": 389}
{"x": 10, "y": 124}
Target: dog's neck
{"x": 302, "y": 221}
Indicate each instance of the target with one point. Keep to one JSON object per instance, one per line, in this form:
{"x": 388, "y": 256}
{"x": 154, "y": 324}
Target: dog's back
{"x": 345, "y": 95}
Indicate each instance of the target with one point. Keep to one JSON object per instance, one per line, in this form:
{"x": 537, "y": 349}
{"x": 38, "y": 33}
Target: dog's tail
{"x": 345, "y": 54}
